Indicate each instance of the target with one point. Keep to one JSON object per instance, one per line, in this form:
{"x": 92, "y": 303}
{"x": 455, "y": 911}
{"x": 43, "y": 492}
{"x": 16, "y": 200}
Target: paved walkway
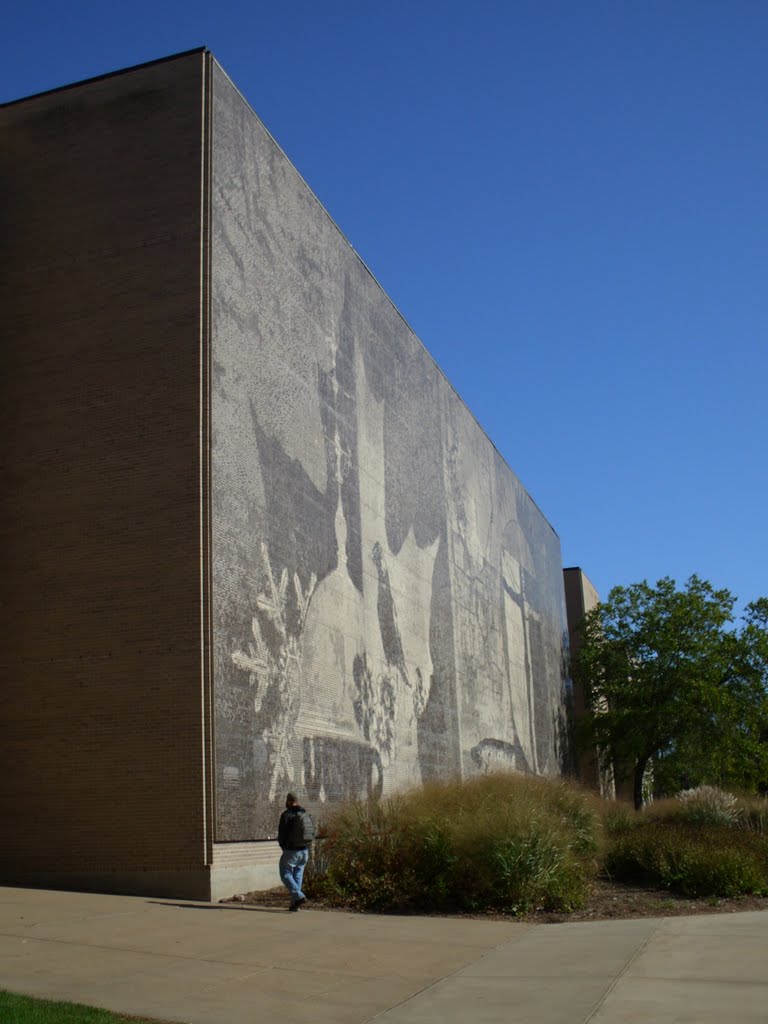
{"x": 229, "y": 964}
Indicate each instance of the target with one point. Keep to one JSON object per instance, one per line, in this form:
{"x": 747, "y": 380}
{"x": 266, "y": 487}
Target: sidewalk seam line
{"x": 624, "y": 970}
{"x": 451, "y": 974}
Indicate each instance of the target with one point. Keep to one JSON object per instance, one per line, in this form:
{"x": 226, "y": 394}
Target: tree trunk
{"x": 637, "y": 793}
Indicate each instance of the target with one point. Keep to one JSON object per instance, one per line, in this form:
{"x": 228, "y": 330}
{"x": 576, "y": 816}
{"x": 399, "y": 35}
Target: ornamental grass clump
{"x": 501, "y": 842}
{"x": 618, "y": 818}
{"x": 692, "y": 860}
{"x": 708, "y": 805}
{"x": 754, "y": 813}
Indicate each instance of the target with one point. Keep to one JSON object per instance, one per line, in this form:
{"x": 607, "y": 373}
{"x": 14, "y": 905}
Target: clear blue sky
{"x": 568, "y": 201}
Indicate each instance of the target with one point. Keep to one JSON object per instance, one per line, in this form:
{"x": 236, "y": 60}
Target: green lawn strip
{"x": 15, "y": 1009}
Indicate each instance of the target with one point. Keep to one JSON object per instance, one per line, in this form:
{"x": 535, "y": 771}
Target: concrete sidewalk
{"x": 231, "y": 964}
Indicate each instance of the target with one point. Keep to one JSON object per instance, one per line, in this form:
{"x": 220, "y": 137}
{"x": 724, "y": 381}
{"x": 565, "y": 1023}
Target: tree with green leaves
{"x": 673, "y": 681}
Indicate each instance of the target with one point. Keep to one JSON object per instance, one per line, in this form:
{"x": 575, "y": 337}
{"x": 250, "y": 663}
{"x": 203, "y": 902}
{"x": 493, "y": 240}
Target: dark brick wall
{"x": 100, "y": 555}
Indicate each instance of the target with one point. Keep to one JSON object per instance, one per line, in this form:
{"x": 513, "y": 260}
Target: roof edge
{"x": 106, "y": 75}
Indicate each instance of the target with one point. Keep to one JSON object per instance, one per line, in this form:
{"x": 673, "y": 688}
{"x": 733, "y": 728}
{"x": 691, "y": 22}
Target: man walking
{"x": 294, "y": 834}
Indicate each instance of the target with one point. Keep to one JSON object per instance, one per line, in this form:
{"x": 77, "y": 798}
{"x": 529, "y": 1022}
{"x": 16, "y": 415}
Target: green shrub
{"x": 508, "y": 842}
{"x": 361, "y": 855}
{"x": 618, "y": 818}
{"x": 532, "y": 869}
{"x": 514, "y": 843}
{"x": 691, "y": 860}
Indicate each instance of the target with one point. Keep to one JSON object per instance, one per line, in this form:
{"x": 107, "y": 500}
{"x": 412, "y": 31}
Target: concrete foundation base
{"x": 236, "y": 867}
{"x": 243, "y": 867}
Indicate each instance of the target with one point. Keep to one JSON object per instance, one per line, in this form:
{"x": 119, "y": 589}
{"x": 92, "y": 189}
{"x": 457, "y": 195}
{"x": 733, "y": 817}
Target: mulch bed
{"x": 607, "y": 901}
{"x": 611, "y": 900}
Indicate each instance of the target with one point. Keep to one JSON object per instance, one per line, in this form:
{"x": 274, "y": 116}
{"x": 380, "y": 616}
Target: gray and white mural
{"x": 387, "y": 600}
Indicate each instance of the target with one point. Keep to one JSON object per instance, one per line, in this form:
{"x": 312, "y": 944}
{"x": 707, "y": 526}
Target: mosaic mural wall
{"x": 387, "y": 599}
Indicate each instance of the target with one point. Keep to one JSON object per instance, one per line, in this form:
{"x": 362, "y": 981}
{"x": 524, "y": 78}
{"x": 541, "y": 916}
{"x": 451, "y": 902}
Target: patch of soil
{"x": 612, "y": 900}
{"x": 607, "y": 901}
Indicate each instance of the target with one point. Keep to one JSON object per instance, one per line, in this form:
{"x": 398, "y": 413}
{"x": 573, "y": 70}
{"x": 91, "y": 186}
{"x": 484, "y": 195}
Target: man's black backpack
{"x": 300, "y": 830}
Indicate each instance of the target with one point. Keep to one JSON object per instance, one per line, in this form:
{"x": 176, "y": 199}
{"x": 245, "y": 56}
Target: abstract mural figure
{"x": 492, "y": 755}
{"x": 340, "y": 769}
{"x": 375, "y": 707}
{"x": 517, "y": 650}
{"x": 283, "y": 670}
{"x": 387, "y": 616}
{"x": 334, "y": 632}
{"x": 362, "y": 672}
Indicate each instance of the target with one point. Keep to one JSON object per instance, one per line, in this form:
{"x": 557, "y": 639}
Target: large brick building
{"x": 251, "y": 538}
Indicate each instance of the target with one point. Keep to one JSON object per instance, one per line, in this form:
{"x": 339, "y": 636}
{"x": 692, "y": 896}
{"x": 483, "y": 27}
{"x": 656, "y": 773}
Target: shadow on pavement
{"x": 225, "y": 906}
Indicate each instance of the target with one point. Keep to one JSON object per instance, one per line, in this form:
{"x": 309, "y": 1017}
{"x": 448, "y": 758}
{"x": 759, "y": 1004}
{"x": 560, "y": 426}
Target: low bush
{"x": 505, "y": 842}
{"x": 695, "y": 861}
{"x": 515, "y": 843}
{"x": 618, "y": 818}
{"x": 754, "y": 813}
{"x": 708, "y": 805}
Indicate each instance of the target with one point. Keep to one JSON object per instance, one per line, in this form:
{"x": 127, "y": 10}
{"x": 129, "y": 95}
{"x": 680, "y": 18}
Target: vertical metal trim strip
{"x": 206, "y": 646}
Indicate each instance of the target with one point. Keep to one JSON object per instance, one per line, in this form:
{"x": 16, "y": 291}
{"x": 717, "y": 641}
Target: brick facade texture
{"x": 102, "y": 730}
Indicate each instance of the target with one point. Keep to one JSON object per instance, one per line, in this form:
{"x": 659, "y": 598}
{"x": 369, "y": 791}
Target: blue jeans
{"x": 292, "y": 864}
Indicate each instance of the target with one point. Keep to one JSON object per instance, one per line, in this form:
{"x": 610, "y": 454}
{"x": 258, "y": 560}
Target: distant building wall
{"x": 101, "y": 732}
{"x": 580, "y": 598}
